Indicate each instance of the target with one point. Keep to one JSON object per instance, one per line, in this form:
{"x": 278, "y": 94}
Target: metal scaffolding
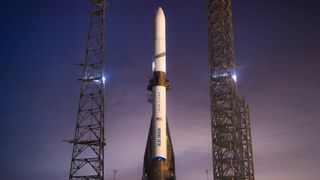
{"x": 230, "y": 121}
{"x": 88, "y": 144}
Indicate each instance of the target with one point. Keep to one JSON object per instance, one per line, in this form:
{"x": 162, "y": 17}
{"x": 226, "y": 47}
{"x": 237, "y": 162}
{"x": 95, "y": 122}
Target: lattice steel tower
{"x": 88, "y": 144}
{"x": 230, "y": 122}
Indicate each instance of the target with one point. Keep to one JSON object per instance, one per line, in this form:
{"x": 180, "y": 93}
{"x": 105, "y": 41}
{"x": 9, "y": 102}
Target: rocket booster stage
{"x": 159, "y": 157}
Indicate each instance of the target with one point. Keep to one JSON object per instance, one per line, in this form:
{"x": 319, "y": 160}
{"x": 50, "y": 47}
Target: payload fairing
{"x": 159, "y": 161}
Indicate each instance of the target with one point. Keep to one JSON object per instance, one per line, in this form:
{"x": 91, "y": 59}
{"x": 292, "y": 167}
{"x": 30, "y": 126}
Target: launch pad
{"x": 230, "y": 121}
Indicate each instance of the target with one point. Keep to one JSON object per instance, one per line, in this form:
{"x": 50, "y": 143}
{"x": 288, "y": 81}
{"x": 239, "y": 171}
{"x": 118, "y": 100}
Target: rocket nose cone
{"x": 160, "y": 13}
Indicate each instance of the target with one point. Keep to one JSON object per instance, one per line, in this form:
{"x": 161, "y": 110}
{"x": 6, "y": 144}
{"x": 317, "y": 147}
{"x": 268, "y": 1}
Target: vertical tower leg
{"x": 87, "y": 160}
{"x": 230, "y": 123}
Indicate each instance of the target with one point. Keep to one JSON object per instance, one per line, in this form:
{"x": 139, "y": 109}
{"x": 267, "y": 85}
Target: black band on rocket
{"x": 159, "y": 78}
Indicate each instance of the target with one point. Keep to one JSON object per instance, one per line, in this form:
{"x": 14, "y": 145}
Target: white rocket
{"x": 159, "y": 89}
{"x": 159, "y": 162}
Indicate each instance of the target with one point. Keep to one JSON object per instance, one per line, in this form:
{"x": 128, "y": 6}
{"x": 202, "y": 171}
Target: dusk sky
{"x": 277, "y": 55}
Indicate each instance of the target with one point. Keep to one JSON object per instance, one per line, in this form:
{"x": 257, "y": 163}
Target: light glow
{"x": 234, "y": 77}
{"x": 153, "y": 66}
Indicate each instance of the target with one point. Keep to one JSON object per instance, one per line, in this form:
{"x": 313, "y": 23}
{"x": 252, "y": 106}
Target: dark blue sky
{"x": 277, "y": 51}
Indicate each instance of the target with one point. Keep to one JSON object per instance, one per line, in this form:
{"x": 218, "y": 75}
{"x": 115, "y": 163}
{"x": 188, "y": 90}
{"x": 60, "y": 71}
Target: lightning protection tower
{"x": 230, "y": 122}
{"x": 87, "y": 161}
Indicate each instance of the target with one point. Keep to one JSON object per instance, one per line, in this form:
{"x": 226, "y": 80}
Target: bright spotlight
{"x": 234, "y": 77}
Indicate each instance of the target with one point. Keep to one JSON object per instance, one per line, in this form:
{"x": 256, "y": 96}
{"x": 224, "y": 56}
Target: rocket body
{"x": 159, "y": 89}
{"x": 159, "y": 162}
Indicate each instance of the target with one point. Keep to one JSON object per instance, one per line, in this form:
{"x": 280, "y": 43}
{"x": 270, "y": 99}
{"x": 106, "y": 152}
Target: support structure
{"x": 230, "y": 122}
{"x": 87, "y": 161}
